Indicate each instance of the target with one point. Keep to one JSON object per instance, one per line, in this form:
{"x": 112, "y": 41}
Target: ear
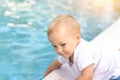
{"x": 78, "y": 38}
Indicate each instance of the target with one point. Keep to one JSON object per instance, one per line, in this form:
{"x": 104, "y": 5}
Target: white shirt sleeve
{"x": 84, "y": 61}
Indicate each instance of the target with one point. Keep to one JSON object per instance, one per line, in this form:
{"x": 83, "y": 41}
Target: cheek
{"x": 73, "y": 46}
{"x": 56, "y": 51}
{"x": 70, "y": 48}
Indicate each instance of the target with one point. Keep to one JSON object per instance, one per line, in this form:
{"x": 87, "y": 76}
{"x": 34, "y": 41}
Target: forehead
{"x": 60, "y": 27}
{"x": 59, "y": 35}
{"x": 61, "y": 32}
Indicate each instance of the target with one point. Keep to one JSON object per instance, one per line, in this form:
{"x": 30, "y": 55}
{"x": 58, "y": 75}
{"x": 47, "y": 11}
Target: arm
{"x": 54, "y": 65}
{"x": 87, "y": 73}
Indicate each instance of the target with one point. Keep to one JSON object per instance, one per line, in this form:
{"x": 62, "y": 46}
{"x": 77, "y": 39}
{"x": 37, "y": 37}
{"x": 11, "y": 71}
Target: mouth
{"x": 62, "y": 54}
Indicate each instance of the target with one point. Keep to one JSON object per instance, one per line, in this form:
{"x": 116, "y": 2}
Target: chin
{"x": 64, "y": 56}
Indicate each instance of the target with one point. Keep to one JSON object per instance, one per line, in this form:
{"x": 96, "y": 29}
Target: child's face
{"x": 64, "y": 42}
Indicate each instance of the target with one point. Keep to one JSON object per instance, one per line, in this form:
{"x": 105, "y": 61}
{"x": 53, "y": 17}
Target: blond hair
{"x": 64, "y": 21}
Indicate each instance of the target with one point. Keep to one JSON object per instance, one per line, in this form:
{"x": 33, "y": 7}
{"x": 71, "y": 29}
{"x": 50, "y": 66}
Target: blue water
{"x": 24, "y": 49}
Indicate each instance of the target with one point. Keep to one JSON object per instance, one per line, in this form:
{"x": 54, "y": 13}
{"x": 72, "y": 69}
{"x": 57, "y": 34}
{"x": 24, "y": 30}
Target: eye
{"x": 63, "y": 44}
{"x": 54, "y": 46}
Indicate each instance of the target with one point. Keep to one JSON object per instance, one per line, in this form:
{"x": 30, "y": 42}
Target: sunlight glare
{"x": 105, "y": 2}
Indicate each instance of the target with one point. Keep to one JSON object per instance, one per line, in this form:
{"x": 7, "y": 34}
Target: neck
{"x": 71, "y": 59}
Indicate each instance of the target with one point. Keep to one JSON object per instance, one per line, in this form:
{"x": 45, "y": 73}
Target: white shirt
{"x": 106, "y": 62}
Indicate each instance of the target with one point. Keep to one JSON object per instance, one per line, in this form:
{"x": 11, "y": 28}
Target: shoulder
{"x": 84, "y": 48}
{"x": 83, "y": 54}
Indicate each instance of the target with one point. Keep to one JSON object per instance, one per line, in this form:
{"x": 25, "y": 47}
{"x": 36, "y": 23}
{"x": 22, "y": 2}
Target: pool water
{"x": 25, "y": 51}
